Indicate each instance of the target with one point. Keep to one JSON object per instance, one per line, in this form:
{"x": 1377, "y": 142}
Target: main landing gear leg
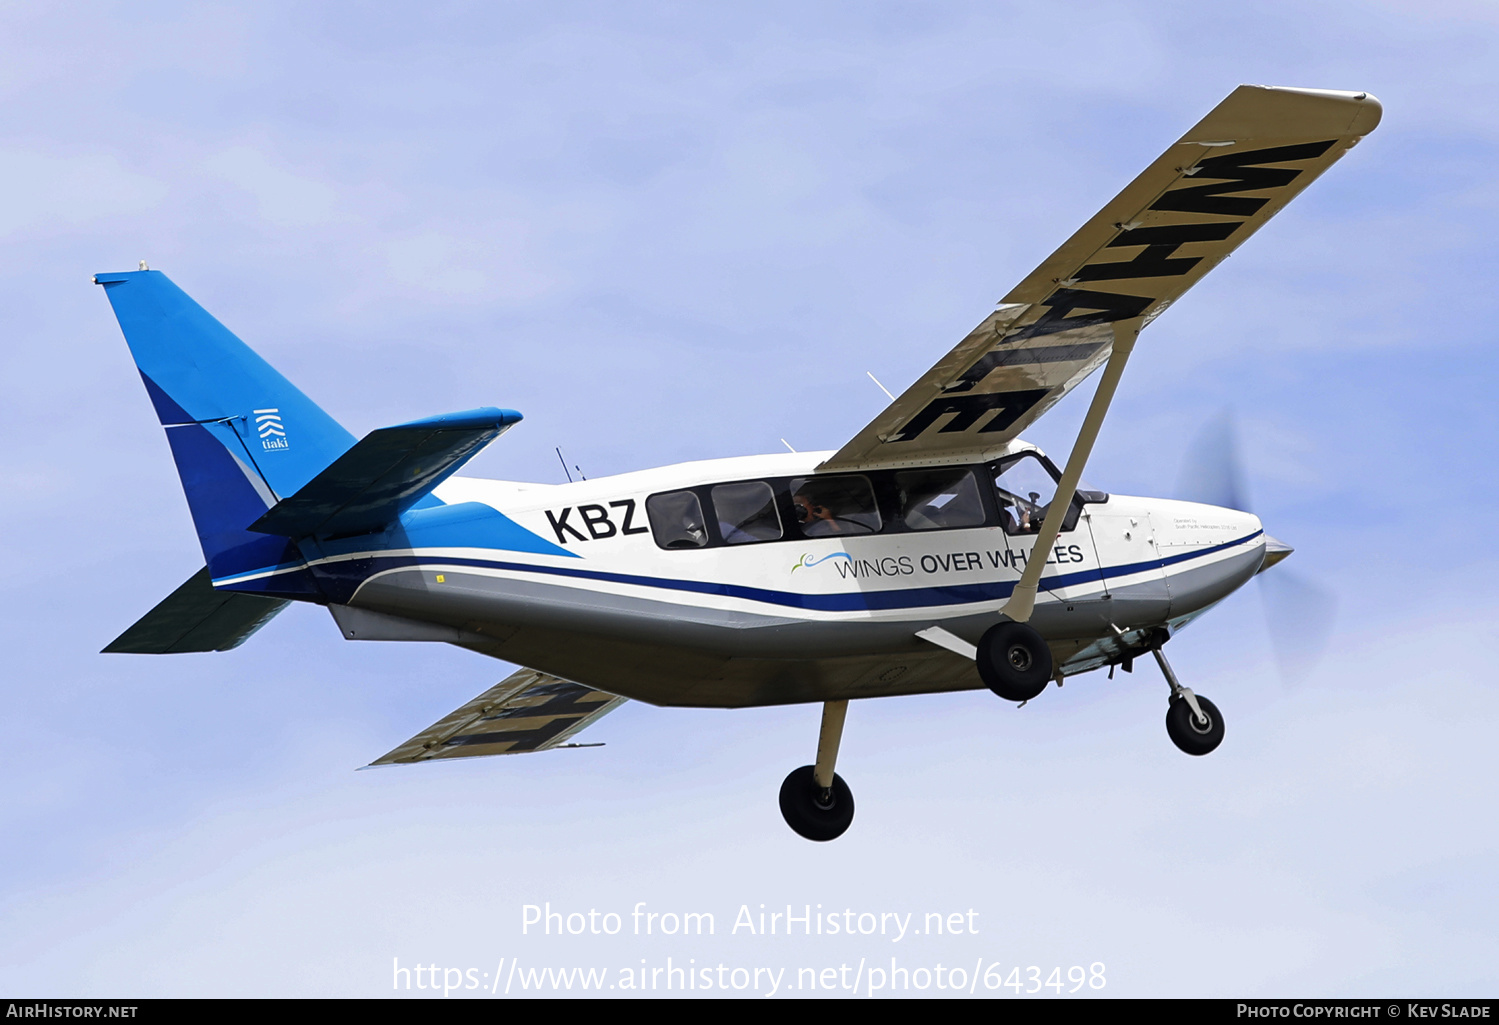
{"x": 815, "y": 801}
{"x": 1194, "y": 724}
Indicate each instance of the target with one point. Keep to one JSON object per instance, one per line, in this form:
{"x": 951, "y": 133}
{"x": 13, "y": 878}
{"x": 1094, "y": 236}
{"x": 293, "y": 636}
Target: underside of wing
{"x": 1192, "y": 207}
{"x": 527, "y": 711}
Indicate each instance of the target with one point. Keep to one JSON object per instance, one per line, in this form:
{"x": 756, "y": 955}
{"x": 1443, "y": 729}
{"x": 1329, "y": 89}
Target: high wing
{"x": 527, "y": 711}
{"x": 1198, "y": 202}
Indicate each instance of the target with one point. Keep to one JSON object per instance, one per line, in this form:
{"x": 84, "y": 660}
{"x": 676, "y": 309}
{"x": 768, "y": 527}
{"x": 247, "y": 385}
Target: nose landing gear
{"x": 1194, "y": 724}
{"x": 1198, "y": 731}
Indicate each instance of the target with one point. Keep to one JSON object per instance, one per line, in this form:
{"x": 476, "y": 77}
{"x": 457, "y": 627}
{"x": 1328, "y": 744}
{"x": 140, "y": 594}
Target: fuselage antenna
{"x": 564, "y": 466}
{"x": 881, "y": 387}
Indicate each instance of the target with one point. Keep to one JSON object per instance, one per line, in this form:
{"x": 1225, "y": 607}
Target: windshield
{"x": 1024, "y": 488}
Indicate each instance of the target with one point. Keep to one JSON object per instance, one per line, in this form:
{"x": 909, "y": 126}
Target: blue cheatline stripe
{"x": 1138, "y": 567}
{"x": 858, "y": 601}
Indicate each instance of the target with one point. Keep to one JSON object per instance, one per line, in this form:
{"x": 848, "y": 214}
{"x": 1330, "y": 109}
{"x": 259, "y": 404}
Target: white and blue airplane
{"x": 935, "y": 551}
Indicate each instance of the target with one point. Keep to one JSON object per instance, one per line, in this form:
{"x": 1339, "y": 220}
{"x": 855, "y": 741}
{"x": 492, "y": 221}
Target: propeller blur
{"x": 1299, "y": 613}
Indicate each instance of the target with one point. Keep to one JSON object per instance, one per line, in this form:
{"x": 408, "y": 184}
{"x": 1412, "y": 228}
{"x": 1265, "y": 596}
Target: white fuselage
{"x": 792, "y": 619}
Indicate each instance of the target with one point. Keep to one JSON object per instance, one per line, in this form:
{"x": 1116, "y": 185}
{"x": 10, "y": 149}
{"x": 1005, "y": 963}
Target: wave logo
{"x": 807, "y": 562}
{"x": 270, "y": 428}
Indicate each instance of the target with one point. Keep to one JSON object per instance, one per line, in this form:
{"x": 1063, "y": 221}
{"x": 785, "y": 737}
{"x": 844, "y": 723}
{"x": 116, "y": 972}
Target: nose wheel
{"x": 1193, "y": 723}
{"x": 815, "y": 801}
{"x": 1195, "y": 732}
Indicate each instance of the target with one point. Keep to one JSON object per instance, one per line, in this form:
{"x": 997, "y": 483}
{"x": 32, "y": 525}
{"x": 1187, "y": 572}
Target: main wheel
{"x": 813, "y": 813}
{"x": 1014, "y": 661}
{"x": 1189, "y": 734}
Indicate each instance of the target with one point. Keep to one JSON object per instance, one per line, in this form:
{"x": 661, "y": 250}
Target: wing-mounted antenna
{"x": 880, "y": 386}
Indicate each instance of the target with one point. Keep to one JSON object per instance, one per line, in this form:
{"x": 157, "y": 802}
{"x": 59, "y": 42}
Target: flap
{"x": 527, "y": 711}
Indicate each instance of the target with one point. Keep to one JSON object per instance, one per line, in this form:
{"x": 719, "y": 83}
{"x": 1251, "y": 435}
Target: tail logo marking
{"x": 272, "y": 431}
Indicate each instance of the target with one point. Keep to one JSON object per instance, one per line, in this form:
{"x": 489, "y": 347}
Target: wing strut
{"x": 1023, "y": 600}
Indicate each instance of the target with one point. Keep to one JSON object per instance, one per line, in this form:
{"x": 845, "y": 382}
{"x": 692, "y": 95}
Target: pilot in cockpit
{"x": 1019, "y": 516}
{"x": 1031, "y": 514}
{"x": 816, "y": 519}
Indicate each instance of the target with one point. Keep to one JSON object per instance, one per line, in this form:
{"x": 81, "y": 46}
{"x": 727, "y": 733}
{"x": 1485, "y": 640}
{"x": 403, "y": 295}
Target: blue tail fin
{"x": 243, "y": 436}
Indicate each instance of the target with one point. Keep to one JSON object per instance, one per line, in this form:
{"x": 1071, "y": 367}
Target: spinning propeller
{"x": 1299, "y": 613}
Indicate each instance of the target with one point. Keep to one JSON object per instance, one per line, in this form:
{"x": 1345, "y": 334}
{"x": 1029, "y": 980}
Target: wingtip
{"x": 1265, "y": 111}
{"x": 1369, "y": 110}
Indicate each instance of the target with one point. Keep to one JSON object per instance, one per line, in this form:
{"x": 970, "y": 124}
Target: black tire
{"x": 1014, "y": 661}
{"x": 1190, "y": 735}
{"x": 807, "y": 813}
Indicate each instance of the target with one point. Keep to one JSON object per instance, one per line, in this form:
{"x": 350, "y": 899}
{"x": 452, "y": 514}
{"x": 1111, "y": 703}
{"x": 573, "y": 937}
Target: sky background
{"x": 682, "y": 231}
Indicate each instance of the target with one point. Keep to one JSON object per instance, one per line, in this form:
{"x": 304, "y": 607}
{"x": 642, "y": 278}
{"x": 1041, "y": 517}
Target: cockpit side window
{"x": 1024, "y": 487}
{"x": 746, "y": 512}
{"x": 835, "y": 506}
{"x": 677, "y": 520}
{"x": 935, "y": 499}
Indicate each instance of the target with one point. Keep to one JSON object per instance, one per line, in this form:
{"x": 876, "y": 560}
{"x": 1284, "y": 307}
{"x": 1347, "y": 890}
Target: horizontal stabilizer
{"x": 527, "y": 711}
{"x": 386, "y": 472}
{"x": 195, "y": 617}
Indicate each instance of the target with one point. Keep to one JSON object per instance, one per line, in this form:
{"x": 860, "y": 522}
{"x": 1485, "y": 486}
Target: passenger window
{"x": 835, "y": 506}
{"x": 677, "y": 520}
{"x": 1024, "y": 488}
{"x": 934, "y": 499}
{"x": 746, "y": 512}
